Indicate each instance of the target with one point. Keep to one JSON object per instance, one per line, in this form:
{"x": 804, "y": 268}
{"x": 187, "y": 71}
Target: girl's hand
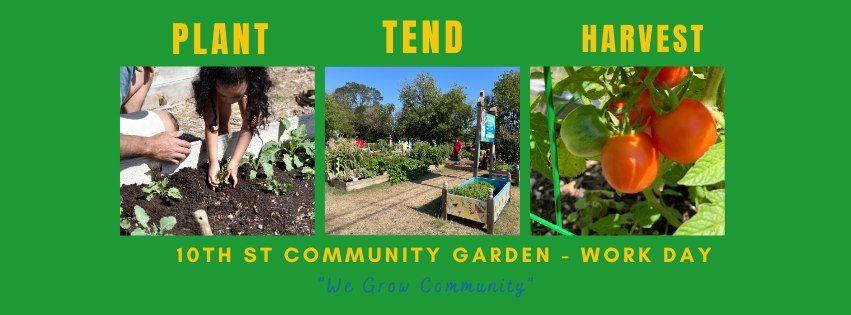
{"x": 213, "y": 174}
{"x": 232, "y": 170}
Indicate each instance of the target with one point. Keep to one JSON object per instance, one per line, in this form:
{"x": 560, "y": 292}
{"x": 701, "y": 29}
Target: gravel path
{"x": 409, "y": 208}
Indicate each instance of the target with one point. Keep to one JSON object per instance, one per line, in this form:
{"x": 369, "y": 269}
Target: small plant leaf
{"x": 124, "y": 224}
{"x": 173, "y": 192}
{"x": 569, "y": 165}
{"x": 644, "y": 215}
{"x": 141, "y": 216}
{"x": 138, "y": 232}
{"x": 252, "y": 174}
{"x": 288, "y": 161}
{"x": 268, "y": 170}
{"x": 609, "y": 225}
{"x": 167, "y": 223}
{"x": 709, "y": 169}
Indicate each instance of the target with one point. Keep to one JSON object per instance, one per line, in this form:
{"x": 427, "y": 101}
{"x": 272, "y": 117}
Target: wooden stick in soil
{"x": 445, "y": 205}
{"x": 203, "y": 222}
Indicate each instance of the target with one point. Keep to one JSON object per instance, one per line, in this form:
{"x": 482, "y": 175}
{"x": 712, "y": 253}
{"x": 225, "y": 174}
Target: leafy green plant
{"x": 264, "y": 161}
{"x": 382, "y": 145}
{"x": 476, "y": 190}
{"x": 274, "y": 186}
{"x": 402, "y": 169}
{"x": 161, "y": 188}
{"x": 149, "y": 228}
{"x": 501, "y": 166}
{"x": 223, "y": 172}
{"x": 342, "y": 155}
{"x": 428, "y": 154}
{"x": 684, "y": 108}
{"x": 298, "y": 142}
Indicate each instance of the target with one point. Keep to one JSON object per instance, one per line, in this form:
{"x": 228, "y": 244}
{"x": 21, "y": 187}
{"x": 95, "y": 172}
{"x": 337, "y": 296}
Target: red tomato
{"x": 686, "y": 133}
{"x": 668, "y": 77}
{"x": 629, "y": 162}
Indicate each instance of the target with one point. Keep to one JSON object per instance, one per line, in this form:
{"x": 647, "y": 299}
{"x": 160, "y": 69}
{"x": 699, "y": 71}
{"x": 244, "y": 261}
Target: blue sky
{"x": 389, "y": 80}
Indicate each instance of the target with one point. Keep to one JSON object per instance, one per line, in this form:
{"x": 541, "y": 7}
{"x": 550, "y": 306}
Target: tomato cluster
{"x": 630, "y": 160}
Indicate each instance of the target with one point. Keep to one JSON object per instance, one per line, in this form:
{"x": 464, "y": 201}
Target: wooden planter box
{"x": 483, "y": 211}
{"x": 361, "y": 183}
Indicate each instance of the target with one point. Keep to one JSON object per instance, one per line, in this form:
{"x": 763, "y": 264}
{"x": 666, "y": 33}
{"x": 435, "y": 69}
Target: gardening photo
{"x": 627, "y": 150}
{"x": 422, "y": 151}
{"x": 216, "y": 150}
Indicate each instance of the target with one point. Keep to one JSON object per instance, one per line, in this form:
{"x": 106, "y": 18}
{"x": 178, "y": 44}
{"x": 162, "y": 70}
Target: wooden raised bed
{"x": 482, "y": 211}
{"x": 140, "y": 170}
{"x": 361, "y": 183}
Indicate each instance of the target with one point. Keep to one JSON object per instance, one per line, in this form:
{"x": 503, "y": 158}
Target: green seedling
{"x": 264, "y": 161}
{"x": 274, "y": 186}
{"x": 146, "y": 229}
{"x": 161, "y": 188}
{"x": 123, "y": 223}
{"x": 222, "y": 176}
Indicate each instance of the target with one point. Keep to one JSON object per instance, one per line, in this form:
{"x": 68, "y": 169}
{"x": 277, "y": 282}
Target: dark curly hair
{"x": 258, "y": 86}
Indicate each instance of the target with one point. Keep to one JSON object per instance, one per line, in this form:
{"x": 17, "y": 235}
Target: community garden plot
{"x": 274, "y": 196}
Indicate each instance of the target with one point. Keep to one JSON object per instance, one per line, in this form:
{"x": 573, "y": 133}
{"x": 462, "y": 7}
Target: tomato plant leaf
{"x": 716, "y": 196}
{"x": 709, "y": 220}
{"x": 539, "y": 145}
{"x": 709, "y": 169}
{"x": 644, "y": 215}
{"x": 609, "y": 225}
{"x": 569, "y": 165}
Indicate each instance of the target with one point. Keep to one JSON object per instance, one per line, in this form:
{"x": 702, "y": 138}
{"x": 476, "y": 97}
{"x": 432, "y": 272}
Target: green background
{"x": 786, "y": 161}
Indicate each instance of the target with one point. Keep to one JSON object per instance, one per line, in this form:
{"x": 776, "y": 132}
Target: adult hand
{"x": 167, "y": 146}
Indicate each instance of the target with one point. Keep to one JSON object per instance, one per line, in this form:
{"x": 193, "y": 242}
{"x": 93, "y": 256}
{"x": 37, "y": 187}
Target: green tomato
{"x": 584, "y": 131}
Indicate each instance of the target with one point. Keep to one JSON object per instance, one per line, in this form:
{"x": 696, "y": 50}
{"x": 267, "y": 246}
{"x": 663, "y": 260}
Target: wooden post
{"x": 491, "y": 209}
{"x": 445, "y": 205}
{"x": 478, "y": 137}
{"x": 201, "y": 218}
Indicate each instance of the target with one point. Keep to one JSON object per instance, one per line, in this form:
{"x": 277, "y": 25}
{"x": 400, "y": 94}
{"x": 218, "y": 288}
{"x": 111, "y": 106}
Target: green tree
{"x": 359, "y": 106}
{"x": 506, "y": 98}
{"x": 338, "y": 118}
{"x": 353, "y": 95}
{"x": 374, "y": 122}
{"x": 428, "y": 115}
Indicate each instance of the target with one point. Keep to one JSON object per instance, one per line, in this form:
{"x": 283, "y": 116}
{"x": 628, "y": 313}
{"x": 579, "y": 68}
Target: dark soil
{"x": 543, "y": 205}
{"x": 244, "y": 210}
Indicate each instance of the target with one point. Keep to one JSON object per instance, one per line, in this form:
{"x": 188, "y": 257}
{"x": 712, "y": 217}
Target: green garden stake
{"x": 551, "y": 122}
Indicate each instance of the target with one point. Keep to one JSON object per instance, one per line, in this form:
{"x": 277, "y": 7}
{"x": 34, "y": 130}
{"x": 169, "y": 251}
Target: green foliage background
{"x": 778, "y": 255}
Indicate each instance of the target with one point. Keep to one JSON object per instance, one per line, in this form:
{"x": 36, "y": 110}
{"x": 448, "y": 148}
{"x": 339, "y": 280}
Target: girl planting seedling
{"x": 216, "y": 89}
